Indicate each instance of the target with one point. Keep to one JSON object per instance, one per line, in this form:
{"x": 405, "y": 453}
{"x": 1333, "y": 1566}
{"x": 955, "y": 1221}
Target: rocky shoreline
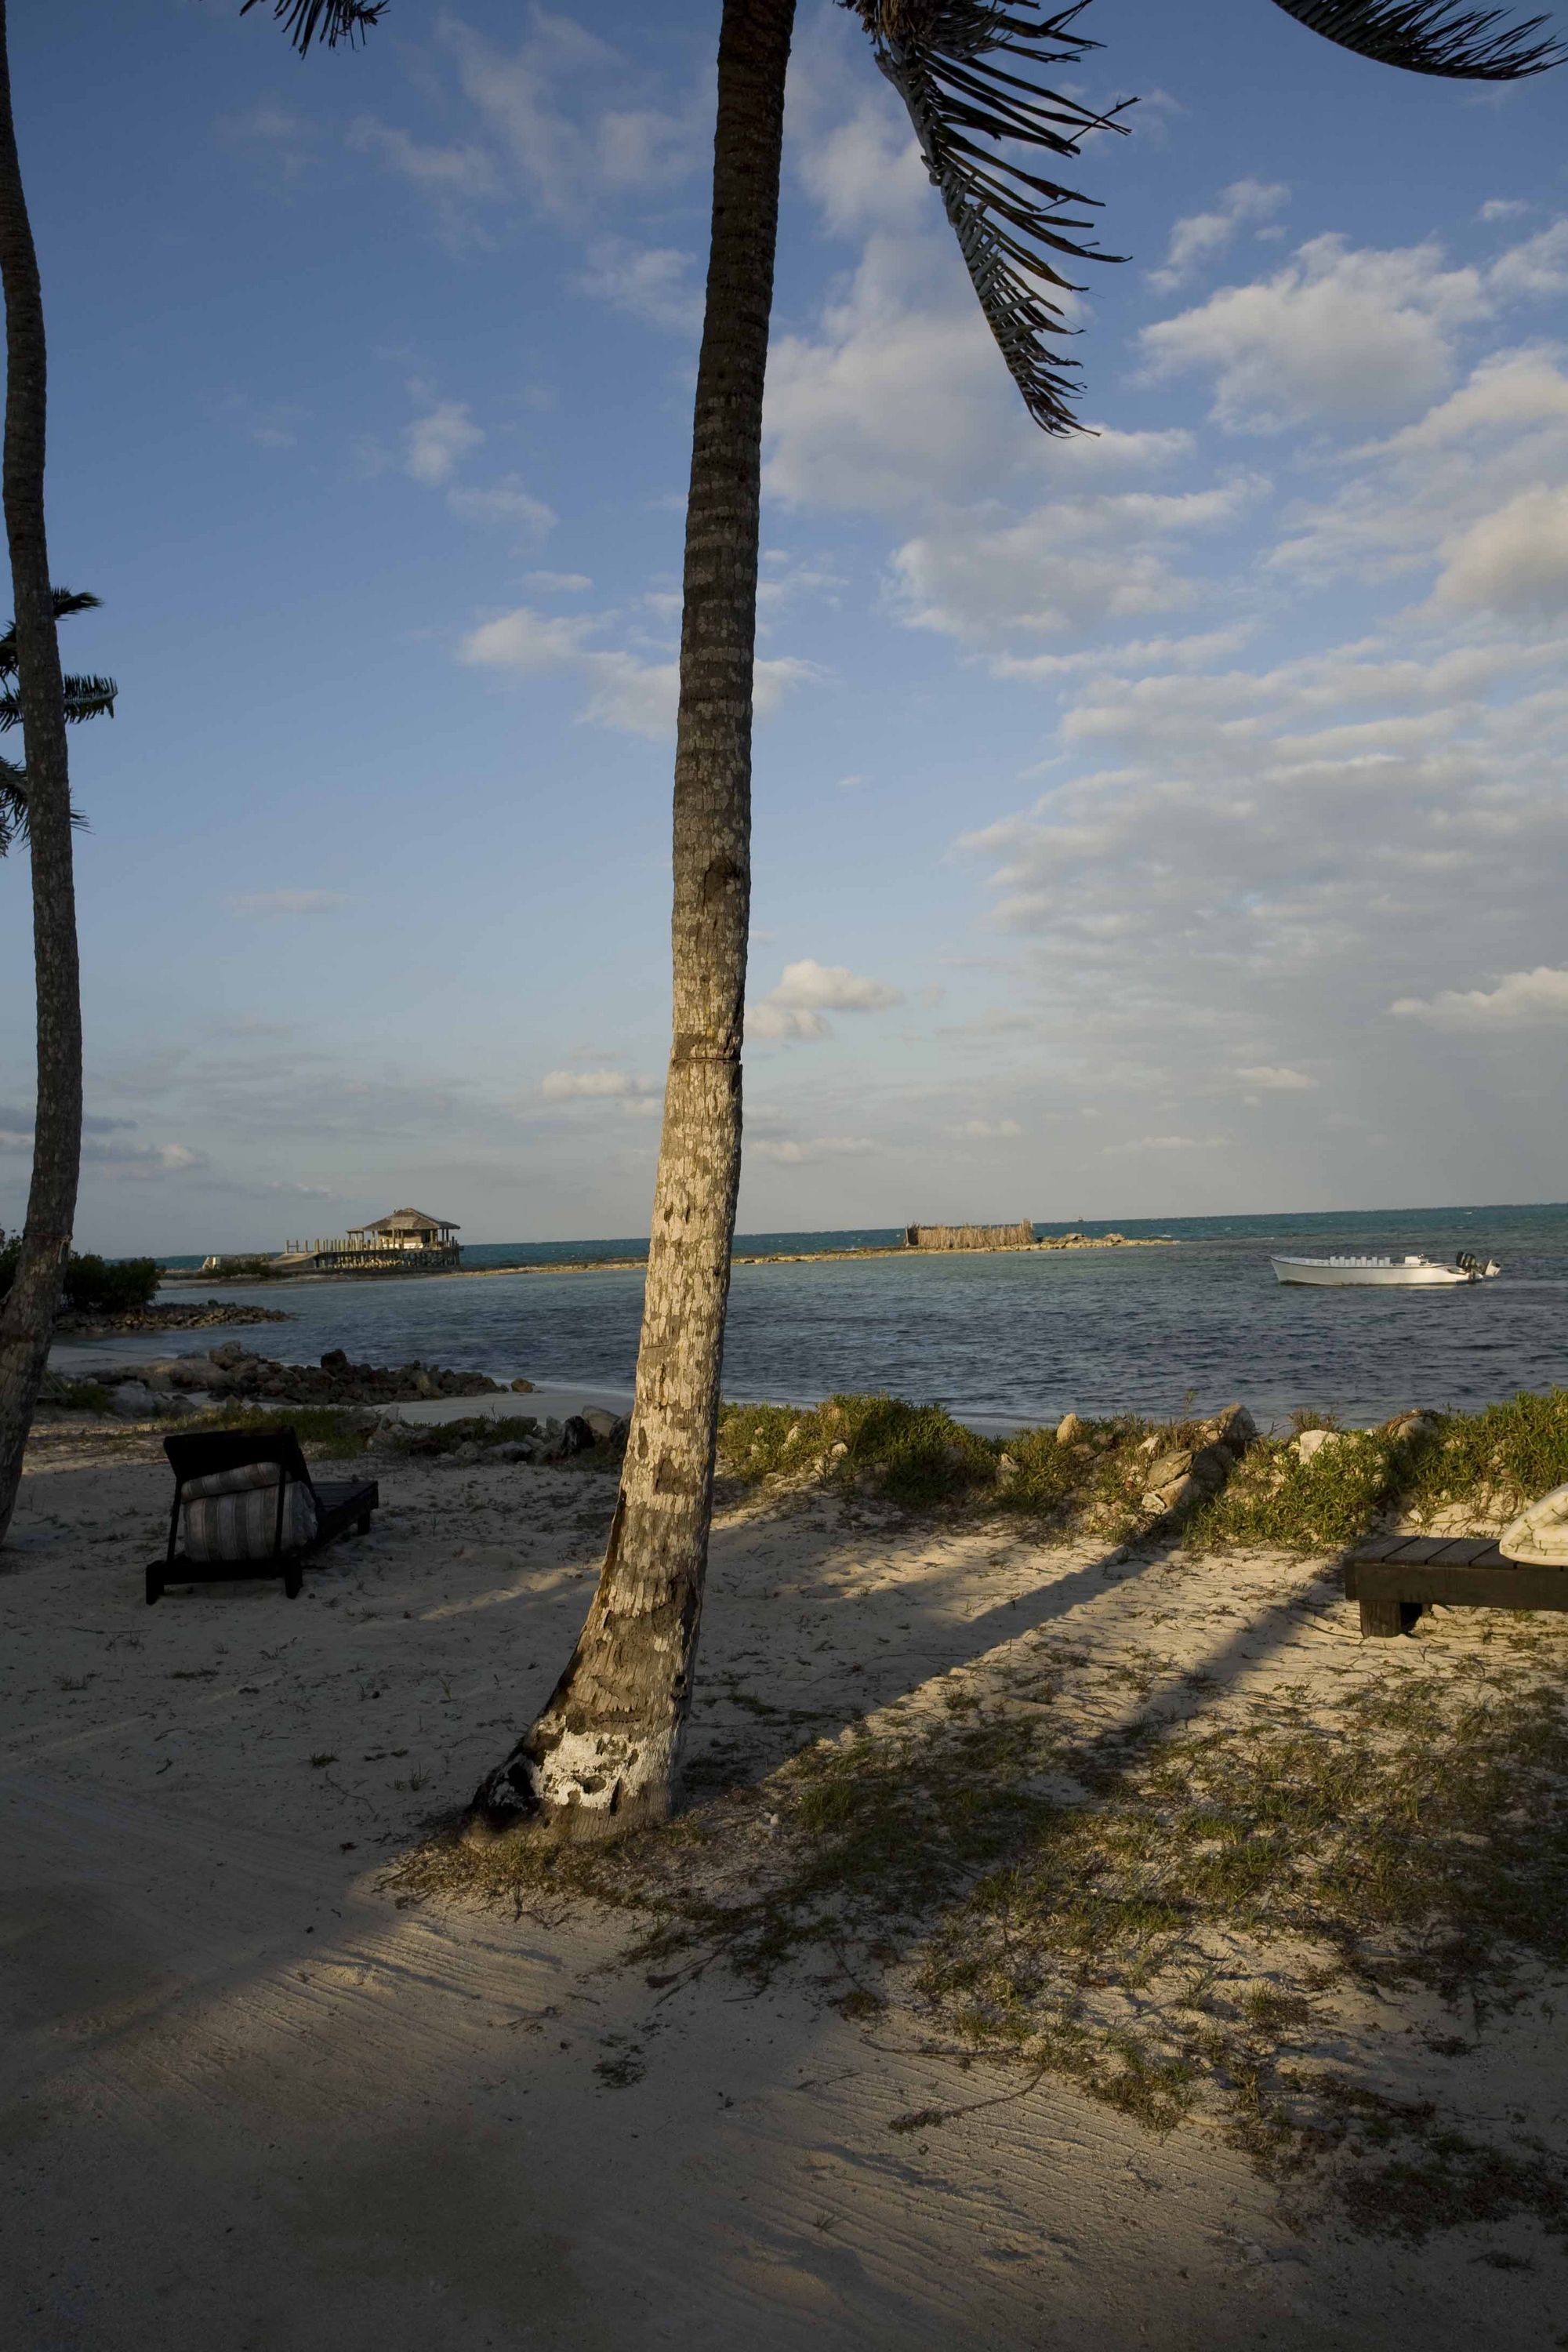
{"x": 208, "y": 1316}
{"x": 178, "y": 1387}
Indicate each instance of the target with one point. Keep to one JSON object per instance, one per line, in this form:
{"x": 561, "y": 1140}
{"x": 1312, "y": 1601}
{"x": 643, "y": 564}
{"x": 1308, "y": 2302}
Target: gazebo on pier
{"x": 407, "y": 1229}
{"x": 407, "y": 1242}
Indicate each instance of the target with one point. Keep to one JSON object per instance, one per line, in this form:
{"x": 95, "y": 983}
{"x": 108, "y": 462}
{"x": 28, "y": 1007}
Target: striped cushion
{"x": 234, "y": 1514}
{"x": 1540, "y": 1533}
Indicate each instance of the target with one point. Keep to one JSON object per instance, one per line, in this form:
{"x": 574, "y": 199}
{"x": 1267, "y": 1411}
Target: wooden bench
{"x": 1397, "y": 1577}
{"x": 340, "y": 1504}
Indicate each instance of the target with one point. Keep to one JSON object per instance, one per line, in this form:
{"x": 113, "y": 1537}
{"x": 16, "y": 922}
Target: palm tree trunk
{"x": 603, "y": 1757}
{"x": 27, "y": 1319}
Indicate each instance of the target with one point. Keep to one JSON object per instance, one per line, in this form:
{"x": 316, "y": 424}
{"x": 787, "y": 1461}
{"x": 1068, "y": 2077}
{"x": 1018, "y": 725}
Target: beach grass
{"x": 1491, "y": 1463}
{"x": 330, "y": 1432}
{"x": 1188, "y": 1920}
{"x": 1487, "y": 1464}
{"x": 919, "y": 1457}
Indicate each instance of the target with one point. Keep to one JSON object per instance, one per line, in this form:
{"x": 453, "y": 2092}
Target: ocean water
{"x": 1011, "y": 1337}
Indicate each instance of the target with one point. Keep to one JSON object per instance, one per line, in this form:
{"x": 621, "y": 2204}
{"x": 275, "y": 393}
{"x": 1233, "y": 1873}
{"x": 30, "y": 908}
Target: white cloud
{"x": 561, "y": 583}
{"x": 653, "y": 283}
{"x": 1201, "y": 237}
{"x": 1138, "y": 653}
{"x": 527, "y": 642}
{"x": 986, "y": 1130}
{"x": 435, "y": 444}
{"x": 807, "y": 991}
{"x": 1075, "y": 565}
{"x": 1408, "y": 501}
{"x": 576, "y": 121}
{"x": 462, "y": 173}
{"x": 1274, "y": 1077}
{"x": 506, "y": 504}
{"x": 1536, "y": 270}
{"x": 1512, "y": 562}
{"x": 623, "y": 691}
{"x": 1501, "y": 208}
{"x": 791, "y": 1153}
{"x": 288, "y": 902}
{"x": 103, "y": 1156}
{"x": 1340, "y": 334}
{"x": 1170, "y": 1143}
{"x": 634, "y": 1097}
{"x": 1521, "y": 1000}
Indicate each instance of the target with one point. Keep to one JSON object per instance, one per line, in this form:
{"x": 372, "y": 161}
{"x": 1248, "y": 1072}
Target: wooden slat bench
{"x": 1397, "y": 1577}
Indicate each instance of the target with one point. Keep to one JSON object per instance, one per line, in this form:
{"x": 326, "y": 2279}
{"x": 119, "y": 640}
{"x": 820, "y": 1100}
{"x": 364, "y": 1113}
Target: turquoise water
{"x": 1014, "y": 1337}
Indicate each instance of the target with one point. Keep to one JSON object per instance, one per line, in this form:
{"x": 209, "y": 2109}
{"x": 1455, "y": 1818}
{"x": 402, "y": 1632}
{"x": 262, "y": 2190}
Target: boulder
{"x": 1068, "y": 1428}
{"x": 1311, "y": 1442}
{"x": 134, "y": 1401}
{"x": 516, "y": 1449}
{"x": 576, "y": 1437}
{"x": 335, "y": 1361}
{"x": 602, "y": 1424}
{"x": 1234, "y": 1428}
{"x": 522, "y": 1387}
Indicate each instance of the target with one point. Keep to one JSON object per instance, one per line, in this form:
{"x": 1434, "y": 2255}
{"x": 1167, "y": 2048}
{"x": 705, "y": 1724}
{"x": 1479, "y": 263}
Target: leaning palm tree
{"x": 27, "y": 1317}
{"x": 603, "y": 1755}
{"x": 35, "y": 799}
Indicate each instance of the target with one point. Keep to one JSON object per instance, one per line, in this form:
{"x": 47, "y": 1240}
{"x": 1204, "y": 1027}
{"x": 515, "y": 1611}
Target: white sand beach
{"x": 256, "y": 2098}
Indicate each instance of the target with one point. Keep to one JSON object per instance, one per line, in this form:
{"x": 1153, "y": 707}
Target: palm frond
{"x": 89, "y": 697}
{"x": 938, "y": 55}
{"x": 13, "y": 806}
{"x": 86, "y": 698}
{"x": 330, "y": 21}
{"x": 1434, "y": 37}
{"x": 66, "y": 601}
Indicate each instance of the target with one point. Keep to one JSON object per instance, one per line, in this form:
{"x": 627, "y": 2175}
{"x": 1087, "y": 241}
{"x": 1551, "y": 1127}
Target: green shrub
{"x": 917, "y": 1455}
{"x": 1506, "y": 1456}
{"x": 1278, "y": 1500}
{"x": 328, "y": 1432}
{"x": 917, "y": 1452}
{"x": 1491, "y": 1463}
{"x": 83, "y": 1396}
{"x": 98, "y": 1286}
{"x": 92, "y": 1285}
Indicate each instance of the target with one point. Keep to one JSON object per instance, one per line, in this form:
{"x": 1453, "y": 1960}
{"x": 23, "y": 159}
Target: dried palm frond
{"x": 938, "y": 55}
{"x": 331, "y": 21}
{"x": 1433, "y": 37}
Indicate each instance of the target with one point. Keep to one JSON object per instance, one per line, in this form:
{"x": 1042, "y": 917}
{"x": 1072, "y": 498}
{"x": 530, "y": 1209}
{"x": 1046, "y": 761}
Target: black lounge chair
{"x": 1396, "y": 1578}
{"x": 338, "y": 1506}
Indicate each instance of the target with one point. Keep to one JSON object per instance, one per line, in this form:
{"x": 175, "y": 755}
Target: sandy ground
{"x": 251, "y": 2102}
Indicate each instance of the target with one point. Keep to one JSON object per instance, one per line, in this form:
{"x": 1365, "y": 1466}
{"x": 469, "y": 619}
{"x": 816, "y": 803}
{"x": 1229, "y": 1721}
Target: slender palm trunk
{"x": 27, "y": 1319}
{"x": 603, "y": 1757}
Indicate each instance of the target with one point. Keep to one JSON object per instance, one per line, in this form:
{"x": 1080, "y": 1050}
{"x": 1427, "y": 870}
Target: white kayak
{"x": 1382, "y": 1272}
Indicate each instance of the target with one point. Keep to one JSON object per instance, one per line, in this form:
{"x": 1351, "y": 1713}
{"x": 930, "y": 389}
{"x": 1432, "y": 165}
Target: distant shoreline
{"x": 1071, "y": 1243}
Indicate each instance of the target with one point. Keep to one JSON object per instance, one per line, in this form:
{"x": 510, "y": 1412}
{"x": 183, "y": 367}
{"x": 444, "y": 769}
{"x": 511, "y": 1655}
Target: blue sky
{"x": 1162, "y": 823}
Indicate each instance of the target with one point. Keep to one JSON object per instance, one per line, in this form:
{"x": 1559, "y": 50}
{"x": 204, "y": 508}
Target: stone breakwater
{"x": 165, "y": 1318}
{"x": 234, "y": 1374}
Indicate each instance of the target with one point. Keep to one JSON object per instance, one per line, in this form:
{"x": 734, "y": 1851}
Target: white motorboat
{"x": 1384, "y": 1272}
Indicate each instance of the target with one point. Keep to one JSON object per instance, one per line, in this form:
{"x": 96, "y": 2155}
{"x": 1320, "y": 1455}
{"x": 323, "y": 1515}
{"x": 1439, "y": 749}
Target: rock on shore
{"x": 234, "y": 1372}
